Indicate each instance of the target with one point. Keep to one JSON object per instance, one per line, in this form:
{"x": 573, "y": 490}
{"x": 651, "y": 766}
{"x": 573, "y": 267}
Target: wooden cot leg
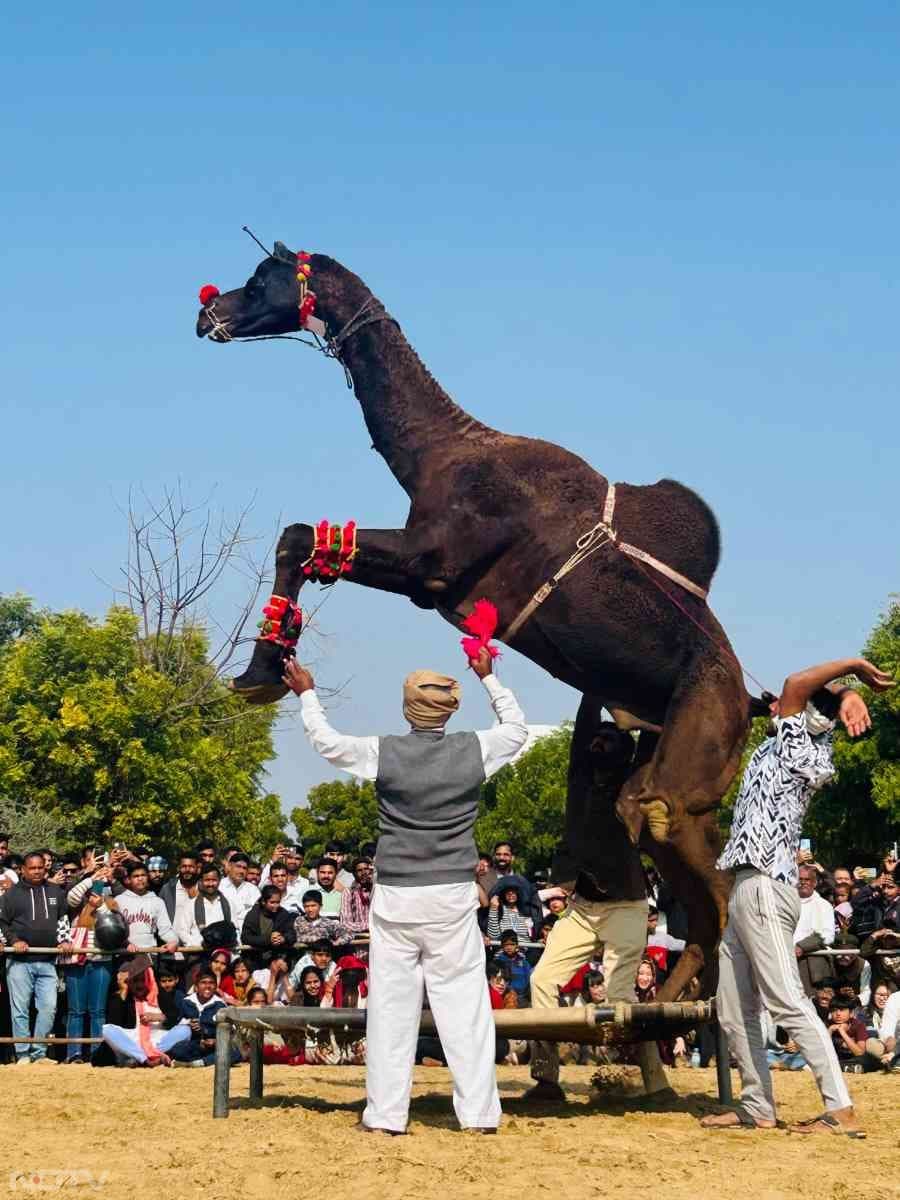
{"x": 222, "y": 1070}
{"x": 256, "y": 1065}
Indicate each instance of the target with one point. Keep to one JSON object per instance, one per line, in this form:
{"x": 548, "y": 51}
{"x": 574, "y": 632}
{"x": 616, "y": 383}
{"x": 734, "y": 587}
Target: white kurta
{"x": 426, "y": 937}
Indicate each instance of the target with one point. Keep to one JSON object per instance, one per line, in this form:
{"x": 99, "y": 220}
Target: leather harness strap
{"x": 602, "y": 534}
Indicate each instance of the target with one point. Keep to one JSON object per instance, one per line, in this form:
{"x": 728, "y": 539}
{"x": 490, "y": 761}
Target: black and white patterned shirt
{"x": 781, "y": 777}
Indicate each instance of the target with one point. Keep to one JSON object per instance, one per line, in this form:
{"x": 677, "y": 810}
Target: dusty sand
{"x": 152, "y": 1131}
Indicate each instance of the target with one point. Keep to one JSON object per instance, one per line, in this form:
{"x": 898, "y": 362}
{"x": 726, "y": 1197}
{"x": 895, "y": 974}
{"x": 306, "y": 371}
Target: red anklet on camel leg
{"x": 282, "y": 623}
{"x": 333, "y": 551}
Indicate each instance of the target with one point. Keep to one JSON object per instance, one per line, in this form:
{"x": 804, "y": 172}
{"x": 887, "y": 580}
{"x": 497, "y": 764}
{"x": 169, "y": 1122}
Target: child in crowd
{"x": 198, "y": 1014}
{"x": 517, "y": 964}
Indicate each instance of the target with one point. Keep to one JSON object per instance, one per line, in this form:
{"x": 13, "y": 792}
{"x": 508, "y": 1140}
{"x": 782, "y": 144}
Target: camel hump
{"x": 671, "y": 522}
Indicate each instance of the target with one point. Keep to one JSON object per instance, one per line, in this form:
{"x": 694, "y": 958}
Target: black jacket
{"x": 36, "y": 915}
{"x": 259, "y": 925}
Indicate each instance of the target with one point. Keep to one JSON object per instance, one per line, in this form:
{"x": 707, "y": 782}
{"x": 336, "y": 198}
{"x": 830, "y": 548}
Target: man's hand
{"x": 297, "y": 678}
{"x": 20, "y": 946}
{"x": 495, "y": 901}
{"x": 277, "y": 939}
{"x": 791, "y": 1046}
{"x": 170, "y": 947}
{"x": 65, "y": 947}
{"x": 853, "y": 713}
{"x": 483, "y": 665}
{"x": 871, "y": 676}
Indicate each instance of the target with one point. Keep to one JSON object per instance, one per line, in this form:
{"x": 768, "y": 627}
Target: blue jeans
{"x": 86, "y": 990}
{"x": 27, "y": 979}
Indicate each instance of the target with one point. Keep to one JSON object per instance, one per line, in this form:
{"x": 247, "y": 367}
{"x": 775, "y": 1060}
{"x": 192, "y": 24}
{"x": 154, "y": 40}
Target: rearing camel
{"x": 495, "y": 515}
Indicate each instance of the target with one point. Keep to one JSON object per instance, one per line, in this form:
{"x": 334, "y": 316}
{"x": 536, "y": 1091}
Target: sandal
{"x": 826, "y": 1123}
{"x": 735, "y": 1118}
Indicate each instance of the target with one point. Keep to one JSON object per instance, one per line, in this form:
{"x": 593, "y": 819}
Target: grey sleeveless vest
{"x": 428, "y": 787}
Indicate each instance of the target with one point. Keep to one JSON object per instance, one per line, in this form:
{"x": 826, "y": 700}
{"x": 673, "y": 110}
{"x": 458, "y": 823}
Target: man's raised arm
{"x": 356, "y": 755}
{"x": 501, "y": 744}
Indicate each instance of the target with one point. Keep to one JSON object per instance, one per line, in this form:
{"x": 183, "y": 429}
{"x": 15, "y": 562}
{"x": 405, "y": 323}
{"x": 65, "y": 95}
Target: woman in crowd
{"x": 236, "y": 982}
{"x": 274, "y": 979}
{"x": 87, "y": 976}
{"x": 505, "y": 913}
{"x": 645, "y": 988}
{"x": 593, "y": 989}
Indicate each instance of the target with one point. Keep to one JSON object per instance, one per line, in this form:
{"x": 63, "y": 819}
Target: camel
{"x": 495, "y": 515}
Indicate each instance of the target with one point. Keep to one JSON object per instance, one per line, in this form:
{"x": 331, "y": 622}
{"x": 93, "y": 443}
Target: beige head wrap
{"x": 429, "y": 699}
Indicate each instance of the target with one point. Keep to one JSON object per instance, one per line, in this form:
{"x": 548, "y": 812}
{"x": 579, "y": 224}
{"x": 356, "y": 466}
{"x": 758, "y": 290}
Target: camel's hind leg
{"x": 671, "y": 802}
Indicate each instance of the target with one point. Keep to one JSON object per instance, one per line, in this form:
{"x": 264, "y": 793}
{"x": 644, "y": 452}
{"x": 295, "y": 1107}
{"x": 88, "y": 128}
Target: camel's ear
{"x": 281, "y": 251}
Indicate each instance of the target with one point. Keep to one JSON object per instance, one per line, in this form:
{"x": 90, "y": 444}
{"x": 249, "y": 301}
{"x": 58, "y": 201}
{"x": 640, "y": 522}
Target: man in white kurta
{"x": 423, "y": 927}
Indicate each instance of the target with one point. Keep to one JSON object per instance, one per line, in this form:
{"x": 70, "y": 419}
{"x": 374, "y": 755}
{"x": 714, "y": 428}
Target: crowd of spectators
{"x": 216, "y": 928}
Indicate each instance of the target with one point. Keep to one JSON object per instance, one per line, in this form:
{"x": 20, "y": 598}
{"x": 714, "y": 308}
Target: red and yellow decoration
{"x": 481, "y": 623}
{"x": 282, "y": 622}
{"x": 208, "y": 292}
{"x": 307, "y": 298}
{"x": 333, "y": 552}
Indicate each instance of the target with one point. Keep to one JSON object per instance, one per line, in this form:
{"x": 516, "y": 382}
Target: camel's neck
{"x": 407, "y": 412}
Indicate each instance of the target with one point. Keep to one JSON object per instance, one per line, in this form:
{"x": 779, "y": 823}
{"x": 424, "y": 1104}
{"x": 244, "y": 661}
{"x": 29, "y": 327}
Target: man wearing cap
{"x": 757, "y": 957}
{"x": 423, "y": 926}
{"x": 157, "y": 867}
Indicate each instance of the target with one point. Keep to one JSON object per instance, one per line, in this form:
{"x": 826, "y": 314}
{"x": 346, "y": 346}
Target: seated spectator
{"x": 275, "y": 1052}
{"x": 505, "y": 914}
{"x": 661, "y": 947}
{"x": 219, "y": 963}
{"x": 534, "y": 954}
{"x": 848, "y": 1036}
{"x": 273, "y": 979}
{"x": 498, "y": 977}
{"x": 148, "y": 920}
{"x": 782, "y": 1051}
{"x": 268, "y": 926}
{"x": 330, "y": 887}
{"x": 593, "y": 989}
{"x": 198, "y": 1014}
{"x": 573, "y": 988}
{"x": 530, "y": 905}
{"x": 351, "y": 987}
{"x": 136, "y": 1032}
{"x": 170, "y": 995}
{"x": 519, "y": 967}
{"x": 823, "y": 994}
{"x": 645, "y": 981}
{"x": 319, "y": 956}
{"x": 850, "y": 970}
{"x": 357, "y": 898}
{"x": 872, "y": 1014}
{"x": 236, "y": 983}
{"x": 311, "y": 927}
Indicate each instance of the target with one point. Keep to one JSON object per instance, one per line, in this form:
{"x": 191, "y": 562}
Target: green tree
{"x": 343, "y": 810}
{"x": 526, "y": 802}
{"x": 115, "y": 738}
{"x": 17, "y": 616}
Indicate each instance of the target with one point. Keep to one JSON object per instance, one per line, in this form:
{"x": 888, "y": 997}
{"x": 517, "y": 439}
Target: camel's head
{"x": 276, "y": 299}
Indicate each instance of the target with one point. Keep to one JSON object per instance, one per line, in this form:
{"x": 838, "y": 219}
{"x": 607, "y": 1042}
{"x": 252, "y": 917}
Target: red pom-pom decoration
{"x": 208, "y": 292}
{"x": 482, "y": 622}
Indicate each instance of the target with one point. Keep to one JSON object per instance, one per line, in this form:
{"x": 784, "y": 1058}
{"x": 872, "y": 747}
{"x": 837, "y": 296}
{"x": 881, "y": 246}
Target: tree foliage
{"x": 343, "y": 810}
{"x": 112, "y": 743}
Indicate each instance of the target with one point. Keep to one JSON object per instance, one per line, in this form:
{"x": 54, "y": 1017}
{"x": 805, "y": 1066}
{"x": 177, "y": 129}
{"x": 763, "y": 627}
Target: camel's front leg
{"x": 380, "y": 562}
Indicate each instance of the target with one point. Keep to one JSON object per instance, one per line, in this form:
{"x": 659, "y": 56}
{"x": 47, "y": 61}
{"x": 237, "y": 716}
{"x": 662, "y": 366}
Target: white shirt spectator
{"x": 147, "y": 918}
{"x": 890, "y": 1018}
{"x": 240, "y": 899}
{"x": 816, "y": 916}
{"x": 261, "y": 979}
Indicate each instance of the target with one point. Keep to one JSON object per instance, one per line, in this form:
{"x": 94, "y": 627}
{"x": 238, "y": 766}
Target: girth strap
{"x": 602, "y": 534}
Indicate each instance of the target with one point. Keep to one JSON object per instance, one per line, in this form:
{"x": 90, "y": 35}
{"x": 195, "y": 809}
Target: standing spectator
{"x": 206, "y": 852}
{"x": 815, "y": 929}
{"x": 292, "y": 891}
{"x": 330, "y": 888}
{"x": 511, "y": 957}
{"x": 268, "y": 926}
{"x": 179, "y": 894}
{"x": 240, "y": 894}
{"x": 254, "y": 873}
{"x": 33, "y": 913}
{"x": 209, "y": 907}
{"x": 157, "y": 867}
{"x": 505, "y": 914}
{"x": 87, "y": 976}
{"x": 146, "y": 914}
{"x": 335, "y": 852}
{"x": 356, "y": 899}
{"x": 311, "y": 927}
{"x": 289, "y": 856}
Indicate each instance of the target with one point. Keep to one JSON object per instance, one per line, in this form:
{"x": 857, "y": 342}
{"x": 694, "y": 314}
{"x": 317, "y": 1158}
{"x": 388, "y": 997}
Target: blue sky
{"x": 661, "y": 235}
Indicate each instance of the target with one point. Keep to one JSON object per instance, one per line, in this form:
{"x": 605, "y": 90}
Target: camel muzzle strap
{"x": 600, "y": 535}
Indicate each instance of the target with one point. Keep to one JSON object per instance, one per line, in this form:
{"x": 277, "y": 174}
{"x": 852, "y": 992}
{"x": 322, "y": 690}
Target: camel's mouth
{"x": 210, "y": 325}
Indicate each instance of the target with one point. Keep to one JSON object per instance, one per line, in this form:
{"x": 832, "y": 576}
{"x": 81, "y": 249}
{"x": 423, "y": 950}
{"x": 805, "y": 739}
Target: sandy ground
{"x": 153, "y": 1133}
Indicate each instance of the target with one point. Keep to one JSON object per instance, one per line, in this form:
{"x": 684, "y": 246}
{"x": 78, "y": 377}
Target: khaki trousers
{"x": 621, "y": 927}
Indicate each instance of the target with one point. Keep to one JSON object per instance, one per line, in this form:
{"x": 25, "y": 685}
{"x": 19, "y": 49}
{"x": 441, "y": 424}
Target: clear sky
{"x": 663, "y": 235}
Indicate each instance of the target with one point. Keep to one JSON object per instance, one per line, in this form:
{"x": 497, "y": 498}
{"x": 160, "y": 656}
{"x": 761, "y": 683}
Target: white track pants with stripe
{"x": 758, "y": 969}
{"x": 448, "y": 958}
